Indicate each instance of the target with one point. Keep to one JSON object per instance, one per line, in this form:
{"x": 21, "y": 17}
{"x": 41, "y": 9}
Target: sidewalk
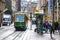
{"x": 31, "y": 35}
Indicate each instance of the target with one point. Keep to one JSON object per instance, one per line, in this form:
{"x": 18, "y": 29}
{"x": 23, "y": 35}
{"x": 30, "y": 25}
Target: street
{"x": 9, "y": 33}
{"x": 29, "y": 19}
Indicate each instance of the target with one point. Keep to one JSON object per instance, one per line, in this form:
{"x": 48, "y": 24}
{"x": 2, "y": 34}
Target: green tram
{"x": 39, "y": 23}
{"x": 20, "y": 21}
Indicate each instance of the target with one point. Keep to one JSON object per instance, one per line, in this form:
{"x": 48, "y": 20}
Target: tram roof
{"x": 38, "y": 14}
{"x": 20, "y": 12}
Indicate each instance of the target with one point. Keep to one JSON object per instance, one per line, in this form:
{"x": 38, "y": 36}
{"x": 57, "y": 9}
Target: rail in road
{"x": 2, "y": 31}
{"x": 14, "y": 36}
{"x": 24, "y": 36}
{"x": 21, "y": 35}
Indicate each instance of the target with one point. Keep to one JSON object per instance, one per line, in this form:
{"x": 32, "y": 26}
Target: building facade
{"x": 8, "y": 4}
{"x": 2, "y": 7}
{"x": 43, "y": 5}
{"x": 24, "y": 4}
{"x": 56, "y": 9}
{"x": 14, "y": 9}
{"x": 18, "y": 5}
{"x": 31, "y": 7}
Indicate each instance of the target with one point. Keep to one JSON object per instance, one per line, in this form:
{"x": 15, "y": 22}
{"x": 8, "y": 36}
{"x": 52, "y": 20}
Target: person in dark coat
{"x": 59, "y": 28}
{"x": 46, "y": 26}
{"x": 51, "y": 30}
{"x": 56, "y": 25}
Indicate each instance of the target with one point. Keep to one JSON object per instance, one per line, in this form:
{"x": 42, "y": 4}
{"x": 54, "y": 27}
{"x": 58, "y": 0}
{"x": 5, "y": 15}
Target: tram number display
{"x": 19, "y": 17}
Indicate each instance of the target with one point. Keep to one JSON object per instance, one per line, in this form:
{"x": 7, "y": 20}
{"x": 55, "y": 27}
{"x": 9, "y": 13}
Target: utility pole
{"x": 57, "y": 10}
{"x": 53, "y": 13}
{"x": 52, "y": 19}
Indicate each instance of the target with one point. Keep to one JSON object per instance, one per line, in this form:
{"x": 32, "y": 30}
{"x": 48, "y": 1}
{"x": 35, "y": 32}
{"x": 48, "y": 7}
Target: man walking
{"x": 59, "y": 28}
{"x": 46, "y": 26}
{"x": 51, "y": 30}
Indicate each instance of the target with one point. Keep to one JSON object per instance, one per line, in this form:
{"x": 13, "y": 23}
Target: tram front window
{"x": 19, "y": 17}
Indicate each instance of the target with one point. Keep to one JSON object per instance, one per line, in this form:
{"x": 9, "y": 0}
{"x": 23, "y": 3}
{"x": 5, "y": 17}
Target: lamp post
{"x": 57, "y": 10}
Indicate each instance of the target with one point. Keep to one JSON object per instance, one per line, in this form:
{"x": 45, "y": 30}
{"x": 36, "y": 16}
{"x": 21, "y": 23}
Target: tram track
{"x": 4, "y": 30}
{"x": 8, "y": 35}
{"x": 17, "y": 38}
{"x": 14, "y": 35}
{"x": 23, "y": 36}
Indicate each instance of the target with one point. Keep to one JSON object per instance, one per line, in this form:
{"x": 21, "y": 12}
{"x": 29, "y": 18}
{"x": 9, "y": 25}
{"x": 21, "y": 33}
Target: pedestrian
{"x": 59, "y": 28}
{"x": 51, "y": 30}
{"x": 56, "y": 25}
{"x": 46, "y": 26}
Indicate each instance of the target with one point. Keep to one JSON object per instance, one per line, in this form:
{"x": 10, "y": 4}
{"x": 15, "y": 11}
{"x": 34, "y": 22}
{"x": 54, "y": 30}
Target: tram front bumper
{"x": 20, "y": 28}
